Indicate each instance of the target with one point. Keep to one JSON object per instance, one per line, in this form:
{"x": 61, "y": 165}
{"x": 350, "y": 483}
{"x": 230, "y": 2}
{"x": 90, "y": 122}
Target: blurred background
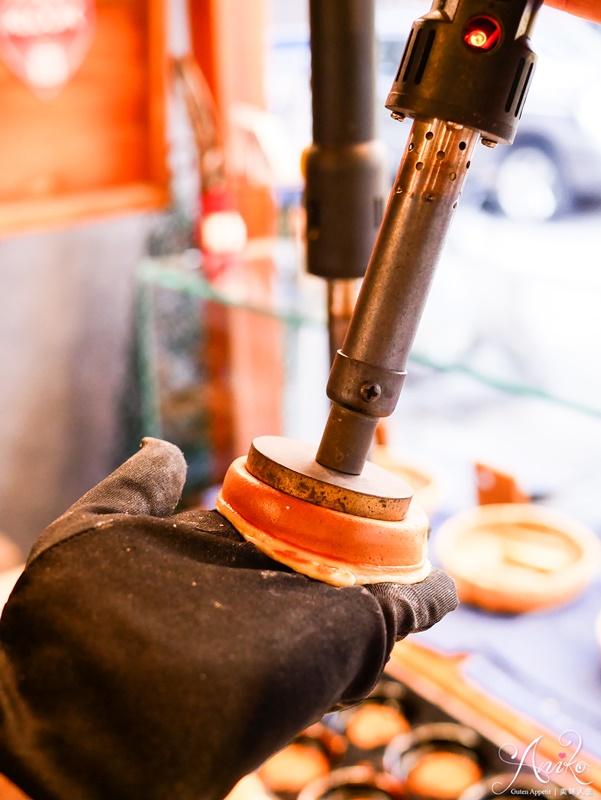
{"x": 505, "y": 366}
{"x": 153, "y": 281}
{"x": 504, "y": 359}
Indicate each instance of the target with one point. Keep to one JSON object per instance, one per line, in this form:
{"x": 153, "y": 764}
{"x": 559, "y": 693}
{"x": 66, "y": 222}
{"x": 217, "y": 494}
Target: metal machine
{"x": 463, "y": 77}
{"x": 345, "y": 167}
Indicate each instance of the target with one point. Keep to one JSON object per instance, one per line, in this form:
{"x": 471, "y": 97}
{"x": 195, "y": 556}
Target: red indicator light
{"x": 482, "y": 33}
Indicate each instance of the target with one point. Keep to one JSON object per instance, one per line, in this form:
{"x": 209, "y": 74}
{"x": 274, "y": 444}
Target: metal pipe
{"x": 369, "y": 370}
{"x": 343, "y": 70}
{"x": 342, "y": 296}
{"x": 345, "y": 165}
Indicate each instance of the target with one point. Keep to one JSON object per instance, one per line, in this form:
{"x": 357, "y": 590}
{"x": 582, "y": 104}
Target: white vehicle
{"x": 555, "y": 162}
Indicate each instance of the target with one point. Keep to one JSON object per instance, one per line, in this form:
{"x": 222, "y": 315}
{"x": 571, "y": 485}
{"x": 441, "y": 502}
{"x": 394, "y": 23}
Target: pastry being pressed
{"x": 335, "y": 547}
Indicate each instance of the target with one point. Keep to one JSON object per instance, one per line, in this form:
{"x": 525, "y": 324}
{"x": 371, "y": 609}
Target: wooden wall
{"x": 99, "y": 145}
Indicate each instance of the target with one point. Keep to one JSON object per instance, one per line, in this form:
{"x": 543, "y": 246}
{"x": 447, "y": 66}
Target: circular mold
{"x": 505, "y": 785}
{"x": 436, "y": 761}
{"x": 374, "y": 725}
{"x": 370, "y": 726}
{"x": 426, "y": 484}
{"x": 311, "y": 755}
{"x": 354, "y": 783}
{"x": 515, "y": 557}
{"x": 331, "y": 546}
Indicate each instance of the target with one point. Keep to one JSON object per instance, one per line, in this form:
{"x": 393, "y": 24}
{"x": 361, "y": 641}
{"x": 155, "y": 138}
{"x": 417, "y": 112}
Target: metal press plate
{"x": 289, "y": 466}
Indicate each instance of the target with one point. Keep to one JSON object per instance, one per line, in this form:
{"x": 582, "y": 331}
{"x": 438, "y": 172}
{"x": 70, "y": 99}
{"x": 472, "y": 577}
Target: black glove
{"x": 151, "y": 656}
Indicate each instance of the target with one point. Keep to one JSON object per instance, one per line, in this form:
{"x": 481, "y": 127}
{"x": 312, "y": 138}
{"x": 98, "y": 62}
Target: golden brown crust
{"x": 443, "y": 775}
{"x": 374, "y": 725}
{"x": 294, "y": 767}
{"x": 328, "y": 545}
{"x": 514, "y": 557}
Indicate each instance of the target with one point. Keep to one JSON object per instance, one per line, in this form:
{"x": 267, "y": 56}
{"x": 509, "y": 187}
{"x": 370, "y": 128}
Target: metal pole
{"x": 345, "y": 186}
{"x": 368, "y": 372}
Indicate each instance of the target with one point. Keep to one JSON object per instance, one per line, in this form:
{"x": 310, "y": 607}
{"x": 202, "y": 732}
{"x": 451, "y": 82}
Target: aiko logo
{"x": 567, "y": 765}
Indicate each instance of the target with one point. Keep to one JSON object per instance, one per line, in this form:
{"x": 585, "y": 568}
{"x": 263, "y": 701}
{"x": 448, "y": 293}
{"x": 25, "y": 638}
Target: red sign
{"x": 45, "y": 41}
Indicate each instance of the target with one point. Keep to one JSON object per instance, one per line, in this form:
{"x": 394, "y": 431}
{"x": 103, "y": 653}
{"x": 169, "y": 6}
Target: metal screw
{"x": 398, "y": 115}
{"x": 489, "y": 143}
{"x": 370, "y": 392}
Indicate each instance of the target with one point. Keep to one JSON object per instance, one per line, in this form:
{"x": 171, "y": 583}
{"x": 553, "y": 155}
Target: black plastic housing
{"x": 441, "y": 76}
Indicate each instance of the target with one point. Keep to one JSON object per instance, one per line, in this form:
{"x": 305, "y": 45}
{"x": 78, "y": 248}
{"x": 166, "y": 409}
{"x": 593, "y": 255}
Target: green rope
{"x": 508, "y": 387}
{"x": 191, "y": 282}
{"x": 195, "y": 285}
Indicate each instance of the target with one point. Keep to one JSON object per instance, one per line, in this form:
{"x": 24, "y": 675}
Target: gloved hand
{"x": 144, "y": 655}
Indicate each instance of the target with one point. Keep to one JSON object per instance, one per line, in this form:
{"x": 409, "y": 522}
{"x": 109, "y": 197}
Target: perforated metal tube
{"x": 369, "y": 370}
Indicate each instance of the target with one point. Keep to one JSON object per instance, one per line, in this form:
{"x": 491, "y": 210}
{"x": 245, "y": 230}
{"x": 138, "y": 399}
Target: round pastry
{"x": 331, "y": 546}
{"x": 514, "y": 557}
{"x": 444, "y": 775}
{"x": 424, "y": 481}
{"x": 251, "y": 787}
{"x": 294, "y": 767}
{"x": 374, "y": 725}
{"x": 436, "y": 760}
